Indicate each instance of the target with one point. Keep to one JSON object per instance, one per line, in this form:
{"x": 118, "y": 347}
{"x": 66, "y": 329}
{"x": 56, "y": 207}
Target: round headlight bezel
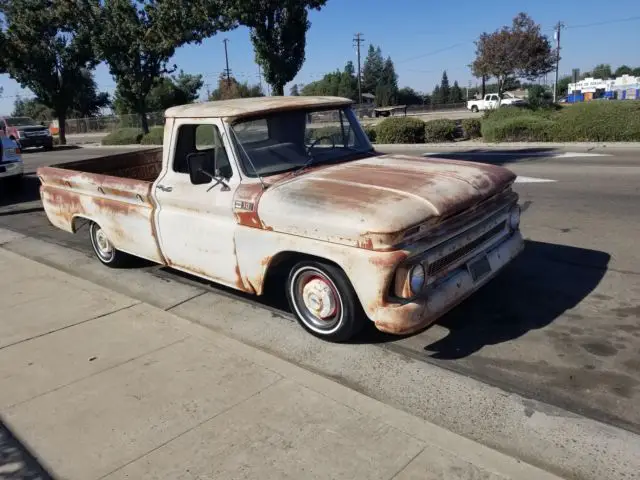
{"x": 514, "y": 217}
{"x": 417, "y": 278}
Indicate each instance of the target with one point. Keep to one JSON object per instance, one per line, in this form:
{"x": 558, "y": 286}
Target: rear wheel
{"x": 474, "y": 109}
{"x": 324, "y": 302}
{"x": 104, "y": 249}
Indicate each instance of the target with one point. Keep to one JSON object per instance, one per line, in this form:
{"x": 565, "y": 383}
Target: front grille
{"x": 443, "y": 262}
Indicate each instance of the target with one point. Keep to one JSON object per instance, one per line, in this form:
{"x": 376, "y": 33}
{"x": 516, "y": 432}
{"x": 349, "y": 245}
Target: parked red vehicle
{"x": 27, "y": 132}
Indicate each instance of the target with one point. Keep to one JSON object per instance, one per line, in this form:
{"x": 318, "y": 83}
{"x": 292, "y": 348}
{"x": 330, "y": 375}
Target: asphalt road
{"x": 561, "y": 325}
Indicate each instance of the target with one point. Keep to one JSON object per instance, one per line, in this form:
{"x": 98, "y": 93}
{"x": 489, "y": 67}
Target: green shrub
{"x": 400, "y": 130}
{"x": 123, "y": 136}
{"x": 471, "y": 128}
{"x": 154, "y": 137}
{"x": 599, "y": 121}
{"x": 439, "y": 131}
{"x": 370, "y": 130}
{"x": 524, "y": 128}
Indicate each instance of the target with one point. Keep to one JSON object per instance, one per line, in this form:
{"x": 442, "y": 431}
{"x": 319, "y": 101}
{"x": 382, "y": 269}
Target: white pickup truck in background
{"x": 494, "y": 100}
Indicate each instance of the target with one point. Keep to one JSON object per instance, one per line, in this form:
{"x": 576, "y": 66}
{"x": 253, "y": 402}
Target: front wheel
{"x": 324, "y": 302}
{"x": 104, "y": 249}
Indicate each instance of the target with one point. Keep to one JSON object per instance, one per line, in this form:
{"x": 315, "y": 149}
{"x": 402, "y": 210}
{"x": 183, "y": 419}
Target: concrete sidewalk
{"x": 95, "y": 385}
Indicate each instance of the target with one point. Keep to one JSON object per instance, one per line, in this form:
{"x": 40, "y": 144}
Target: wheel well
{"x": 78, "y": 222}
{"x": 282, "y": 263}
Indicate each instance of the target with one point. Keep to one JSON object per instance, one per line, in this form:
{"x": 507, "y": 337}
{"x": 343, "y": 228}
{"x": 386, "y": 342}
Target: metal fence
{"x": 109, "y": 123}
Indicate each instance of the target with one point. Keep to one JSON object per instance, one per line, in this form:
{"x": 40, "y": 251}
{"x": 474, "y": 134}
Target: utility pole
{"x": 559, "y": 26}
{"x": 357, "y": 41}
{"x": 226, "y": 57}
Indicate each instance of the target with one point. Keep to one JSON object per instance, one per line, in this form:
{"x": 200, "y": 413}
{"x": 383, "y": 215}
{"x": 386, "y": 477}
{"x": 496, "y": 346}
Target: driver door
{"x": 196, "y": 225}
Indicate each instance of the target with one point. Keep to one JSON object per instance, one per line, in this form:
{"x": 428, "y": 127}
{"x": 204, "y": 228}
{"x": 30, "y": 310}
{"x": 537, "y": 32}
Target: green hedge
{"x": 595, "y": 121}
{"x": 439, "y": 131}
{"x": 123, "y": 136}
{"x": 471, "y": 128}
{"x": 371, "y": 132}
{"x": 400, "y": 130}
{"x": 154, "y": 137}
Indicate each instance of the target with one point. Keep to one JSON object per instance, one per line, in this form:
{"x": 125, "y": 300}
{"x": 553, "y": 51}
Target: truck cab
{"x": 289, "y": 192}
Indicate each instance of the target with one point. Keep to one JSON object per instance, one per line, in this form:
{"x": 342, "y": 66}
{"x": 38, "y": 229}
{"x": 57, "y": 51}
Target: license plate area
{"x": 479, "y": 268}
{"x": 3, "y": 169}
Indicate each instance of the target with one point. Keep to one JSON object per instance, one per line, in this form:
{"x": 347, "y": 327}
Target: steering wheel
{"x": 313, "y": 144}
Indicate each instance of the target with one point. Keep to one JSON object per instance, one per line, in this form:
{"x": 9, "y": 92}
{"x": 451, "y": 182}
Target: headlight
{"x": 514, "y": 217}
{"x": 416, "y": 278}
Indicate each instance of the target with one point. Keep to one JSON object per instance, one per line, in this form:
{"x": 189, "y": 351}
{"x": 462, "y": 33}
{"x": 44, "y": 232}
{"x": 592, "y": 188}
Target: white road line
{"x": 521, "y": 179}
{"x": 521, "y": 154}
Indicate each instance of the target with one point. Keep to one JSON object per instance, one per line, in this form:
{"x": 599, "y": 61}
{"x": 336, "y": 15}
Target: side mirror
{"x": 198, "y": 168}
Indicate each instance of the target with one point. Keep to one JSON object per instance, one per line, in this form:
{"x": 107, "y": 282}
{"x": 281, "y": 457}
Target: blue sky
{"x": 422, "y": 37}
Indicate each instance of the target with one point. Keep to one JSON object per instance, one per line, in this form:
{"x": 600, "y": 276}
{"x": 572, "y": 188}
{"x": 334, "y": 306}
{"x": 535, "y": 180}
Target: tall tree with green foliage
{"x": 602, "y": 71}
{"x": 341, "y": 84}
{"x": 278, "y": 33}
{"x": 636, "y": 72}
{"x": 445, "y": 89}
{"x": 408, "y": 96}
{"x": 33, "y": 108}
{"x": 47, "y": 49}
{"x": 436, "y": 96}
{"x": 231, "y": 88}
{"x": 455, "y": 95}
{"x": 623, "y": 70}
{"x": 294, "y": 92}
{"x": 138, "y": 38}
{"x": 516, "y": 51}
{"x": 167, "y": 92}
{"x": 372, "y": 69}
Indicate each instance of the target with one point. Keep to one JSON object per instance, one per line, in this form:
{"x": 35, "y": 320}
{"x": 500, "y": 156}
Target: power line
{"x": 605, "y": 22}
{"x": 434, "y": 52}
{"x": 357, "y": 41}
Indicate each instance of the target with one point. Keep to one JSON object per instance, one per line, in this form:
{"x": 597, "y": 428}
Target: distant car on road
{"x": 11, "y": 166}
{"x": 27, "y": 132}
{"x": 493, "y": 101}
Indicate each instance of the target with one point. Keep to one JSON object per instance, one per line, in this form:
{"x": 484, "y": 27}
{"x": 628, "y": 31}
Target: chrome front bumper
{"x": 447, "y": 292}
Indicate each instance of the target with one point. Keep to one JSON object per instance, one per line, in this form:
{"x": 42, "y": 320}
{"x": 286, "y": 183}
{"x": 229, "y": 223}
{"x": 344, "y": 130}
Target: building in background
{"x": 625, "y": 87}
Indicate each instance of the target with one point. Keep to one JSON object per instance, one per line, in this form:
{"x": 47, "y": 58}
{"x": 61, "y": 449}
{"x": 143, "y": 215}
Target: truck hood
{"x": 369, "y": 202}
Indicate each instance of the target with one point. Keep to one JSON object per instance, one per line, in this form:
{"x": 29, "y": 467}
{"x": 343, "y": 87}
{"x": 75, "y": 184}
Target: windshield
{"x": 19, "y": 121}
{"x": 289, "y": 140}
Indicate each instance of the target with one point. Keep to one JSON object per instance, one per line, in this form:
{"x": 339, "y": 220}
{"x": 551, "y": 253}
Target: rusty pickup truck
{"x": 252, "y": 193}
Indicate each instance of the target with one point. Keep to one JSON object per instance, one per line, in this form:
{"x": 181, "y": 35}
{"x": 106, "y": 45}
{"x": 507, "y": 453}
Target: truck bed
{"x": 142, "y": 165}
{"x": 113, "y": 191}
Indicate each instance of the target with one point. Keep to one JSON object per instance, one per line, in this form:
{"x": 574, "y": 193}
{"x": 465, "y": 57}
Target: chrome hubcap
{"x": 102, "y": 242}
{"x": 319, "y": 298}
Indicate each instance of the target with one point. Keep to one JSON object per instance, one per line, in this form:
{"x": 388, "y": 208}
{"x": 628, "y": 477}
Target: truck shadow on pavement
{"x": 28, "y": 190}
{"x": 497, "y": 156}
{"x": 542, "y": 284}
{"x": 16, "y": 461}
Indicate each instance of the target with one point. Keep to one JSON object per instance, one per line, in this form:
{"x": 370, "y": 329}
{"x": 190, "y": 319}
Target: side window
{"x": 201, "y": 138}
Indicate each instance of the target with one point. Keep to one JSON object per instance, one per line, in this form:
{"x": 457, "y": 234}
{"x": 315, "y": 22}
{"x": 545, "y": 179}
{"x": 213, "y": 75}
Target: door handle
{"x": 163, "y": 188}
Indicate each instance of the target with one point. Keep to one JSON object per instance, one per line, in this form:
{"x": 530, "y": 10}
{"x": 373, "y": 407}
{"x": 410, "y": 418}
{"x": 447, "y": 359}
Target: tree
{"x": 563, "y": 85}
{"x": 445, "y": 90}
{"x": 636, "y": 72}
{"x": 436, "y": 97}
{"x": 137, "y": 39}
{"x": 234, "y": 89}
{"x": 87, "y": 100}
{"x": 278, "y": 32}
{"x": 602, "y": 71}
{"x": 50, "y": 50}
{"x": 408, "y": 96}
{"x": 167, "y": 92}
{"x": 623, "y": 70}
{"x": 294, "y": 90}
{"x": 372, "y": 70}
{"x": 342, "y": 84}
{"x": 455, "y": 96}
{"x": 519, "y": 51}
{"x": 33, "y": 108}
